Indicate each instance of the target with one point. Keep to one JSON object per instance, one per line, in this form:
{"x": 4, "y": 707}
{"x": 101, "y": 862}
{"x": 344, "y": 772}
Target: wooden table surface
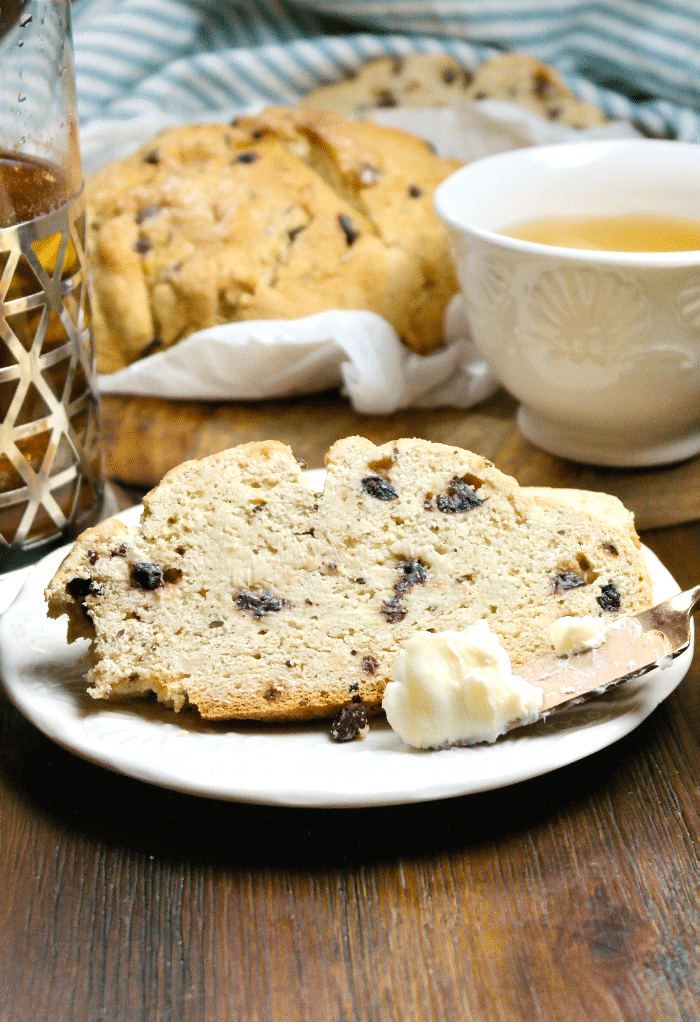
{"x": 573, "y": 896}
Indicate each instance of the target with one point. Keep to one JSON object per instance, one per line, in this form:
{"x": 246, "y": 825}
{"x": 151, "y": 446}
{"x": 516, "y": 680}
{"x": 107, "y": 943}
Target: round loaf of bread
{"x": 436, "y": 79}
{"x": 274, "y": 217}
{"x": 246, "y": 595}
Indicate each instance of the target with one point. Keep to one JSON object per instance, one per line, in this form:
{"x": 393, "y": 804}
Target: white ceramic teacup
{"x": 602, "y": 349}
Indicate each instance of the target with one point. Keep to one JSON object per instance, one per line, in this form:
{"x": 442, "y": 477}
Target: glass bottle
{"x": 51, "y": 474}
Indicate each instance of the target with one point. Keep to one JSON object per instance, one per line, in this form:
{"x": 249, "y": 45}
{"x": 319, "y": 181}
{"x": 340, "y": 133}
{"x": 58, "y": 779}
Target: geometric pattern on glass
{"x": 50, "y": 469}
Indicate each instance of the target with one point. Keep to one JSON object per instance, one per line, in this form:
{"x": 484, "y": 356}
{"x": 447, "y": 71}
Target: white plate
{"x": 297, "y": 765}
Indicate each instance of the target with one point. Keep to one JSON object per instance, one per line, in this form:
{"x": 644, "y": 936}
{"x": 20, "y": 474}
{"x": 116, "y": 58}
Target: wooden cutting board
{"x": 145, "y": 437}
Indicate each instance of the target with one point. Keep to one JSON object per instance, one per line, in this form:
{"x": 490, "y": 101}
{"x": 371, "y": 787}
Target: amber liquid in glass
{"x": 29, "y": 189}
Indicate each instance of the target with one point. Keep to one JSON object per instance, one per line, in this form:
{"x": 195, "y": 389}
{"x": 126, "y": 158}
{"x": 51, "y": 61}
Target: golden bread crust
{"x": 278, "y": 216}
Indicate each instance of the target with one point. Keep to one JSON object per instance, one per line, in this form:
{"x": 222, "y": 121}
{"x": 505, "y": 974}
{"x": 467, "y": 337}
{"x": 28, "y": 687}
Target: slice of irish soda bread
{"x": 247, "y": 595}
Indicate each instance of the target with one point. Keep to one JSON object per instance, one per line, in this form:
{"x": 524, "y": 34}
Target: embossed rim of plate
{"x": 297, "y": 765}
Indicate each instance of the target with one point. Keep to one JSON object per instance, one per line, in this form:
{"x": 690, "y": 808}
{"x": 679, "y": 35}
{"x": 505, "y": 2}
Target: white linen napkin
{"x": 282, "y": 358}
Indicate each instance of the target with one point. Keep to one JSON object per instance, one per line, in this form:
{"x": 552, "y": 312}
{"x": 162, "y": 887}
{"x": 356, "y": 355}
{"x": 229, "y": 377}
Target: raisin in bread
{"x": 247, "y": 595}
{"x": 274, "y": 217}
{"x": 435, "y": 80}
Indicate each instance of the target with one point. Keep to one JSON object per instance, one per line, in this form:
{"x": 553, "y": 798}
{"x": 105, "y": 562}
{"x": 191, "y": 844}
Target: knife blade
{"x": 633, "y": 646}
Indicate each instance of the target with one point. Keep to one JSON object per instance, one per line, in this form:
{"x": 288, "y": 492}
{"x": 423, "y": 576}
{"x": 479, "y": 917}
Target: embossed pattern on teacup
{"x": 583, "y": 327}
{"x": 688, "y": 306}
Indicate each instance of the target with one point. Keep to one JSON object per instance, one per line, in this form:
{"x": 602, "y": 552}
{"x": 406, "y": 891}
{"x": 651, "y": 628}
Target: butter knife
{"x": 633, "y": 646}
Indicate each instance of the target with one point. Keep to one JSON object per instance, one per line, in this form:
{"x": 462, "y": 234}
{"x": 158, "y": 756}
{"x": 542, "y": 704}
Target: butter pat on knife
{"x": 457, "y": 688}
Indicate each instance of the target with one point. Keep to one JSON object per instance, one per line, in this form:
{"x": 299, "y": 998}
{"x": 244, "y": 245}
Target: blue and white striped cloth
{"x": 638, "y": 59}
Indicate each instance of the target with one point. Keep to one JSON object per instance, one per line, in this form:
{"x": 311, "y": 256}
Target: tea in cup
{"x": 579, "y": 267}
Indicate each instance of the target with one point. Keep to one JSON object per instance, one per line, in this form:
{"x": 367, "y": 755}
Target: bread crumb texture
{"x": 243, "y": 593}
{"x": 277, "y": 216}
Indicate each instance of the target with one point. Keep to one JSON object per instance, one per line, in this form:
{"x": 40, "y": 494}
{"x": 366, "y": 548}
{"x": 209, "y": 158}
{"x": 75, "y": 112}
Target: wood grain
{"x": 145, "y": 437}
